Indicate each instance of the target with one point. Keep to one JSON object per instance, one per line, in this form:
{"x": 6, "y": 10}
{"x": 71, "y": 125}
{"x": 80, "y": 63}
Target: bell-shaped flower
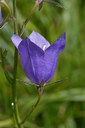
{"x": 39, "y": 59}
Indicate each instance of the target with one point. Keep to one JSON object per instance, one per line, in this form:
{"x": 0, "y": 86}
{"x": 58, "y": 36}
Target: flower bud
{"x": 39, "y": 1}
{"x": 0, "y": 15}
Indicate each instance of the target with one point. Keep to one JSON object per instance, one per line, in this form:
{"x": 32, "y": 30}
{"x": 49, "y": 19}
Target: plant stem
{"x": 14, "y": 104}
{"x": 33, "y": 108}
{"x": 14, "y": 13}
{"x": 28, "y": 18}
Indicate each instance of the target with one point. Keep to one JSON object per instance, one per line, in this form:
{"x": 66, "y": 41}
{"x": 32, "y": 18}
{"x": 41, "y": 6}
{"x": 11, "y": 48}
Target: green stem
{"x": 14, "y": 104}
{"x": 28, "y": 18}
{"x": 33, "y": 108}
{"x": 14, "y": 13}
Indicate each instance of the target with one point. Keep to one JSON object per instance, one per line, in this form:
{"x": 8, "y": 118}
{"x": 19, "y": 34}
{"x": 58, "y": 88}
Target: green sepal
{"x": 26, "y": 83}
{"x": 60, "y": 5}
{"x": 57, "y": 82}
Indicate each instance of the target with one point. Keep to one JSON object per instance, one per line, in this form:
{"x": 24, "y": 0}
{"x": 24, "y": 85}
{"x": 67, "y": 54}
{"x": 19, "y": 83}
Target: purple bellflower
{"x": 39, "y": 59}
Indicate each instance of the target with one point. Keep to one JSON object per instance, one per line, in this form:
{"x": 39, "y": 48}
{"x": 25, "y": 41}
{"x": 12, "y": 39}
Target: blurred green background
{"x": 62, "y": 105}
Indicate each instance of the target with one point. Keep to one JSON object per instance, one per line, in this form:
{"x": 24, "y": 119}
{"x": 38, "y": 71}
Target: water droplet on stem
{"x": 12, "y": 104}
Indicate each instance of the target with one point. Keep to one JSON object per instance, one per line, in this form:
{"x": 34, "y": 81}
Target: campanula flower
{"x": 39, "y": 59}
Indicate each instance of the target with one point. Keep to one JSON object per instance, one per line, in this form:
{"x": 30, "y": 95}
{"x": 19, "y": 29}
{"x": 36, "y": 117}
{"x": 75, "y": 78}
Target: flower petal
{"x": 43, "y": 63}
{"x": 29, "y": 52}
{"x": 59, "y": 44}
{"x": 39, "y": 40}
{"x": 53, "y": 51}
{"x": 16, "y": 40}
{"x": 0, "y": 15}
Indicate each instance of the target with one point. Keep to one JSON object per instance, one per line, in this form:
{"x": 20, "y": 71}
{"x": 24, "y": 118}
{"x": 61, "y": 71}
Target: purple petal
{"x": 53, "y": 51}
{"x": 0, "y": 15}
{"x": 16, "y": 40}
{"x": 30, "y": 54}
{"x": 39, "y": 40}
{"x": 59, "y": 44}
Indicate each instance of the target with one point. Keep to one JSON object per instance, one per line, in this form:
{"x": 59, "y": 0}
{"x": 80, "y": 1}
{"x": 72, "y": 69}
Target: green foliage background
{"x": 62, "y": 105}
